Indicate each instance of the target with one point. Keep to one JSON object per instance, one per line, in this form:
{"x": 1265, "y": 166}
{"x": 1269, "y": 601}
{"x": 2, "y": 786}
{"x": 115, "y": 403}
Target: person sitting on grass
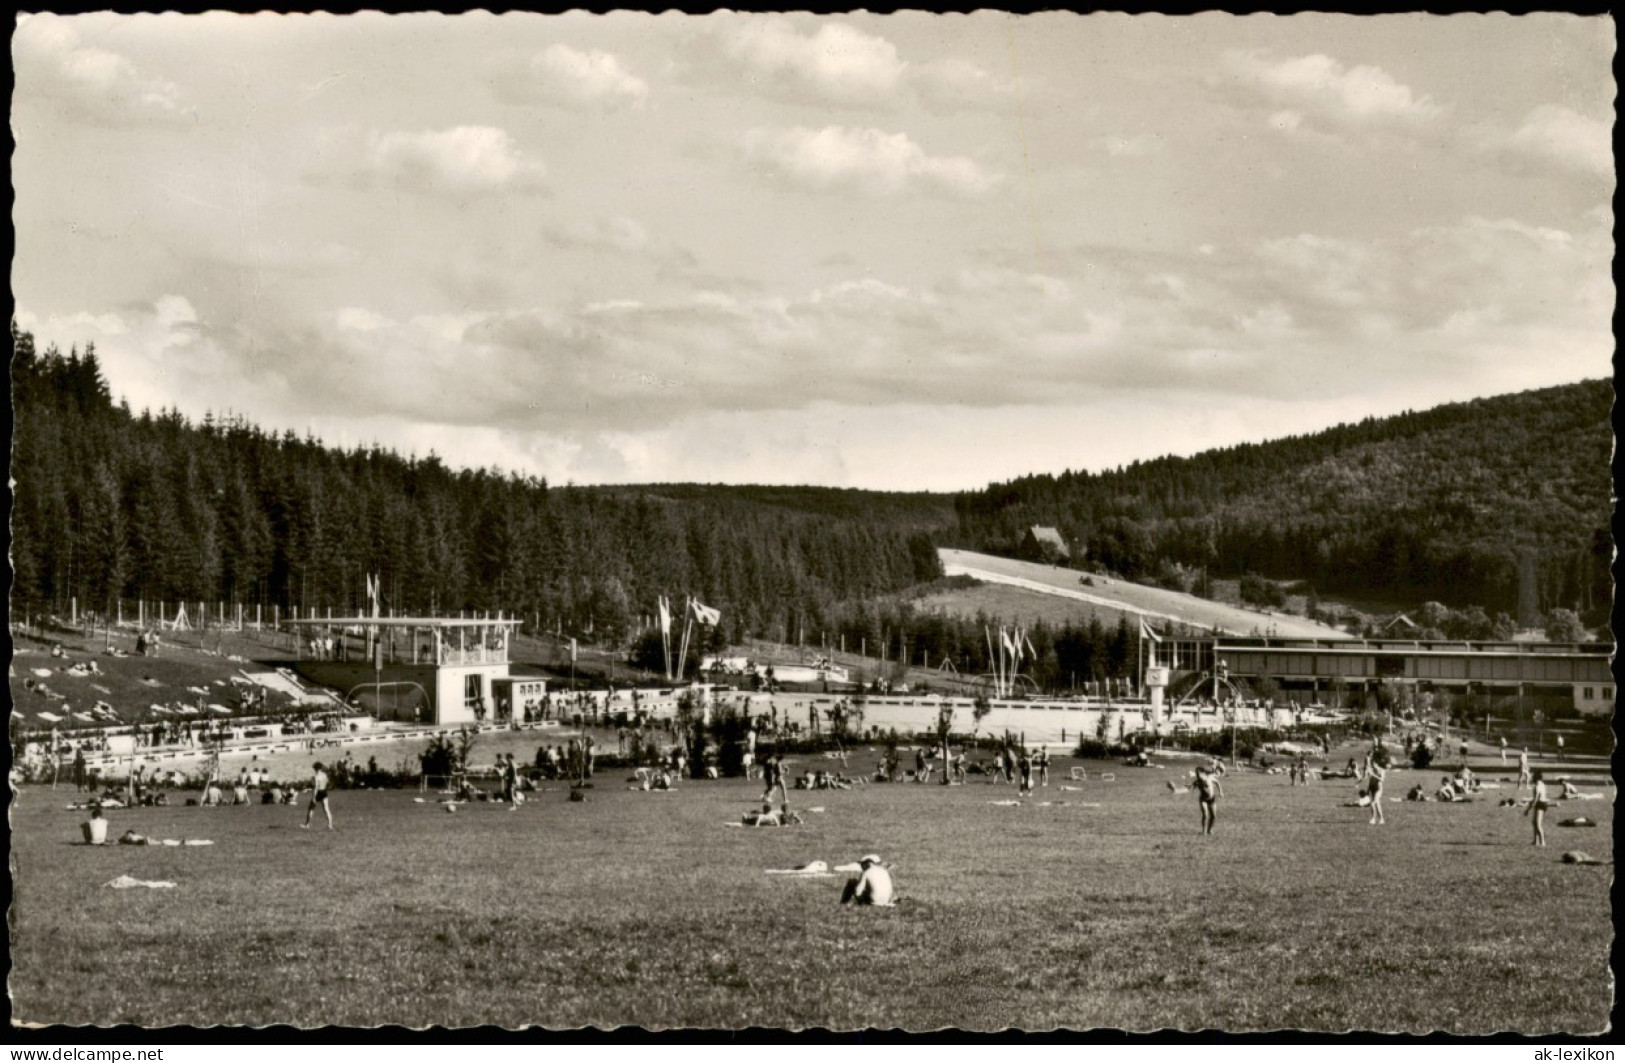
{"x": 1416, "y": 793}
{"x": 872, "y": 887}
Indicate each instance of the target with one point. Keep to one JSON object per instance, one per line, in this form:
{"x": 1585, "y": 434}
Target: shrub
{"x": 1257, "y": 590}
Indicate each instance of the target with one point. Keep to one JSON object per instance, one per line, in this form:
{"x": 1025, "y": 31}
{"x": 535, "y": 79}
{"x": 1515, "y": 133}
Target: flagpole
{"x": 987, "y": 632}
{"x": 688, "y": 625}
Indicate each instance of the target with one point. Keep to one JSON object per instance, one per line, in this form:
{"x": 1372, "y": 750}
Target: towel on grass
{"x": 125, "y": 882}
{"x": 1006, "y": 804}
{"x": 815, "y": 869}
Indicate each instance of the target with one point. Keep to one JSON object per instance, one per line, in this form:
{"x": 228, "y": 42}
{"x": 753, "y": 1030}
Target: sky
{"x": 906, "y": 252}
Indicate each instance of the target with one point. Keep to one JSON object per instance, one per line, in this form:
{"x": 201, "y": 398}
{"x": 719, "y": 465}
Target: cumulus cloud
{"x": 572, "y": 77}
{"x": 463, "y": 159}
{"x": 958, "y": 84}
{"x": 840, "y": 64}
{"x": 1554, "y": 134}
{"x": 835, "y": 61}
{"x": 90, "y": 83}
{"x": 1318, "y": 92}
{"x": 863, "y": 159}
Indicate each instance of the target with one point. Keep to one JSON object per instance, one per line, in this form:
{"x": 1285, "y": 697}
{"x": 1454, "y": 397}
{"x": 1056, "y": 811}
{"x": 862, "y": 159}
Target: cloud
{"x": 571, "y": 77}
{"x": 840, "y": 64}
{"x": 958, "y": 84}
{"x": 866, "y": 160}
{"x": 1318, "y": 92}
{"x": 90, "y": 83}
{"x": 614, "y": 234}
{"x": 1554, "y": 134}
{"x": 464, "y": 159}
{"x": 590, "y": 385}
{"x": 836, "y": 61}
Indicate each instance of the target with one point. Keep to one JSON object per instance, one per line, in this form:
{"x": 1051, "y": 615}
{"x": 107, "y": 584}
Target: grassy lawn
{"x": 647, "y": 909}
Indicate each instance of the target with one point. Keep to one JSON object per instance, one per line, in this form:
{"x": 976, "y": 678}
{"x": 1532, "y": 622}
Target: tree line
{"x": 112, "y": 504}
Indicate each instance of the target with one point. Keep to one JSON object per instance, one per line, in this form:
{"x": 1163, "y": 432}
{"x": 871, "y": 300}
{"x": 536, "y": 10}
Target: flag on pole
{"x": 1146, "y": 632}
{"x": 1009, "y": 643}
{"x": 572, "y": 651}
{"x": 665, "y": 615}
{"x": 1030, "y": 651}
{"x": 704, "y": 613}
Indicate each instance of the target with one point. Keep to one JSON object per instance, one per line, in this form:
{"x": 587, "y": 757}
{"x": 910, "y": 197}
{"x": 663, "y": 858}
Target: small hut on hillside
{"x": 1041, "y": 543}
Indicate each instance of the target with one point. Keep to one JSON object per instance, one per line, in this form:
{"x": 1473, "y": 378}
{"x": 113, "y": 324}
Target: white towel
{"x": 125, "y": 882}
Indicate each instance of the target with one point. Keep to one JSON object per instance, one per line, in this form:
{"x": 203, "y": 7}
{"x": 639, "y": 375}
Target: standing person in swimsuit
{"x": 773, "y": 779}
{"x": 1208, "y": 791}
{"x": 318, "y": 795}
{"x": 1376, "y": 772}
{"x": 1523, "y": 767}
{"x": 1537, "y": 805}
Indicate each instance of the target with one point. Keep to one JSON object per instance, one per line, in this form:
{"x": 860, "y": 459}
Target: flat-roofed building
{"x": 439, "y": 670}
{"x": 1578, "y": 672}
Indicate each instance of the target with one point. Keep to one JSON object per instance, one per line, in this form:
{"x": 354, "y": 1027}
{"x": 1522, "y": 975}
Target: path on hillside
{"x": 1150, "y": 602}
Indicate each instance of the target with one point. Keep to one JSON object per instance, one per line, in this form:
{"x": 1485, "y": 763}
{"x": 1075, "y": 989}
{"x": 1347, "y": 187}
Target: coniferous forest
{"x": 110, "y": 504}
{"x": 1501, "y": 503}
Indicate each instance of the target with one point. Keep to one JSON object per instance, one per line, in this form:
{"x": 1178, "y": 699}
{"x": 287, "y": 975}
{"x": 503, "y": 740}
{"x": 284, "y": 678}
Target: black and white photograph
{"x": 797, "y": 522}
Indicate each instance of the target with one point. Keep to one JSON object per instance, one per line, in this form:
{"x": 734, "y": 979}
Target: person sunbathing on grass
{"x": 767, "y": 817}
{"x": 872, "y": 887}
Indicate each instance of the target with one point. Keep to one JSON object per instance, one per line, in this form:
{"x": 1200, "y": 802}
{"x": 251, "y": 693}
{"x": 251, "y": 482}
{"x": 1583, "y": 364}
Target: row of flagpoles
{"x": 1013, "y": 645}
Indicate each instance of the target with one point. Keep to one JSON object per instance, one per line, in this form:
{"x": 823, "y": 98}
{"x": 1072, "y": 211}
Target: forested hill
{"x": 111, "y": 504}
{"x": 1500, "y": 502}
{"x": 916, "y": 511}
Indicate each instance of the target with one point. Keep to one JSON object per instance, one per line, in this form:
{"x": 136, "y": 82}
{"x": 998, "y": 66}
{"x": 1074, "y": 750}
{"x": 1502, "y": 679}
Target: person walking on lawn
{"x": 318, "y": 795}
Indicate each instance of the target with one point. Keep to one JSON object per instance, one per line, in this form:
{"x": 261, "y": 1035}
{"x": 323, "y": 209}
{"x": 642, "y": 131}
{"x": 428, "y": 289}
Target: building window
{"x": 1591, "y": 693}
{"x": 1608, "y": 693}
{"x": 472, "y": 693}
